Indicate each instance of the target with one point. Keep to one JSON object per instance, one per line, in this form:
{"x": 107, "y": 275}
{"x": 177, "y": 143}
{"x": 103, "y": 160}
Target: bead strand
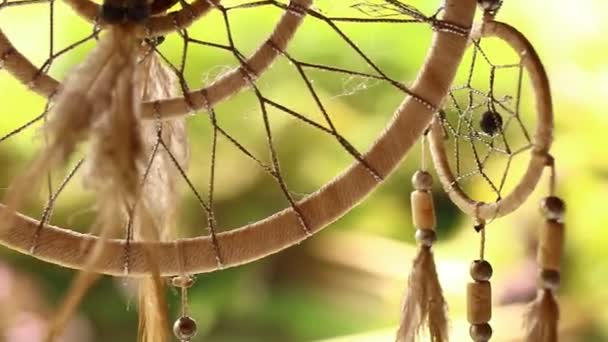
{"x": 423, "y": 209}
{"x": 551, "y": 242}
{"x": 479, "y": 301}
{"x": 185, "y": 327}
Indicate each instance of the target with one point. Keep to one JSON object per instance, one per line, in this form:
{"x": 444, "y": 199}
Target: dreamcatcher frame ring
{"x": 543, "y": 138}
{"x": 281, "y": 230}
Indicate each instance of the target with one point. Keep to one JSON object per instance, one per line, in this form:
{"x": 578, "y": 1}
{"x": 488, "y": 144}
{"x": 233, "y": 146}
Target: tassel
{"x": 160, "y": 193}
{"x": 79, "y": 104}
{"x": 423, "y": 304}
{"x": 153, "y": 318}
{"x": 542, "y": 318}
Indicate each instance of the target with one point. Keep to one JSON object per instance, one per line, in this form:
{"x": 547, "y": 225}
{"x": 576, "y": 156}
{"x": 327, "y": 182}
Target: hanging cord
{"x": 480, "y": 227}
{"x": 490, "y": 7}
{"x": 482, "y": 244}
{"x": 423, "y": 152}
{"x": 552, "y": 175}
{"x": 185, "y": 327}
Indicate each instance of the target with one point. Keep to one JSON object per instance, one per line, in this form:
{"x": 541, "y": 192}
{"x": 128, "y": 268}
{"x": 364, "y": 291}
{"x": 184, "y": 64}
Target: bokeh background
{"x": 346, "y": 283}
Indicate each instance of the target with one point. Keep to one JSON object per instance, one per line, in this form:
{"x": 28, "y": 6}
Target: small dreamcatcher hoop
{"x": 483, "y": 122}
{"x": 540, "y": 142}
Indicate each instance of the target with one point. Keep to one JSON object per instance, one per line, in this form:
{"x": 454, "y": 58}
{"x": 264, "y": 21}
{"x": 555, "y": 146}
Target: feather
{"x": 423, "y": 304}
{"x": 541, "y": 320}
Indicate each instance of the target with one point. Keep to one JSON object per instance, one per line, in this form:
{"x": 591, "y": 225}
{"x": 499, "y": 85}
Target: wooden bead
{"x": 426, "y": 237}
{"x": 480, "y": 332}
{"x": 481, "y": 270}
{"x": 422, "y": 180}
{"x": 553, "y": 208}
{"x": 550, "y": 279}
{"x": 479, "y": 302}
{"x": 185, "y": 328}
{"x": 423, "y": 211}
{"x": 551, "y": 242}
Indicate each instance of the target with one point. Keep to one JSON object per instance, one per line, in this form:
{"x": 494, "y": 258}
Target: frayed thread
{"x": 542, "y": 317}
{"x": 423, "y": 304}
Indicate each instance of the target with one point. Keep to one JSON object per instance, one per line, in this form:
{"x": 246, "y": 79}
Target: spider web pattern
{"x": 461, "y": 120}
{"x": 387, "y": 12}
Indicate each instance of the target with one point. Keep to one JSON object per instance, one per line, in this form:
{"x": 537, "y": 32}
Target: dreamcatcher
{"x": 125, "y": 106}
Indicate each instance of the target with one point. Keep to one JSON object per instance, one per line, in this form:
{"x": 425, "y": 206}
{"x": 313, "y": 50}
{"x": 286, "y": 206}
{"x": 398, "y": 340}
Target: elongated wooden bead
{"x": 423, "y": 211}
{"x": 551, "y": 242}
{"x": 479, "y": 302}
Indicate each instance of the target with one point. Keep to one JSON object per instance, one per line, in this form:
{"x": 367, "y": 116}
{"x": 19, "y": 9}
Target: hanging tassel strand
{"x": 541, "y": 320}
{"x": 424, "y": 303}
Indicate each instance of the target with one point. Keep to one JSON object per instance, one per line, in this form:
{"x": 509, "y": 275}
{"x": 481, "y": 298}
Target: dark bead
{"x": 481, "y": 270}
{"x": 480, "y": 332}
{"x": 185, "y": 328}
{"x": 422, "y": 180}
{"x": 426, "y": 237}
{"x": 112, "y": 14}
{"x": 138, "y": 13}
{"x": 550, "y": 279}
{"x": 490, "y": 123}
{"x": 553, "y": 208}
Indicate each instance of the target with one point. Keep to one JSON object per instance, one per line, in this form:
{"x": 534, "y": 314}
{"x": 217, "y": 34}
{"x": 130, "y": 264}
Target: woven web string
{"x": 474, "y": 148}
{"x": 378, "y": 12}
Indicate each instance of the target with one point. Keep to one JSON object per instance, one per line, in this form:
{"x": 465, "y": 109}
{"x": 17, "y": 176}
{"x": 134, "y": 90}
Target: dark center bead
{"x": 138, "y": 13}
{"x": 491, "y": 123}
{"x": 113, "y": 14}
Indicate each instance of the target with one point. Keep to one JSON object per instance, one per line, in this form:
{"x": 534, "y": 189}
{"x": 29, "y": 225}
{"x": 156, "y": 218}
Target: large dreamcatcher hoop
{"x": 282, "y": 229}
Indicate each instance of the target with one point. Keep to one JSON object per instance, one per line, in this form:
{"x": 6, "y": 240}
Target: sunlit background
{"x": 345, "y": 284}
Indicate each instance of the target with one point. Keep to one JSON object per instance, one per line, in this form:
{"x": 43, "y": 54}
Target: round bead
{"x": 550, "y": 279}
{"x": 185, "y": 328}
{"x": 489, "y": 5}
{"x": 422, "y": 180}
{"x": 553, "y": 208}
{"x": 481, "y": 270}
{"x": 491, "y": 123}
{"x": 480, "y": 332}
{"x": 426, "y": 237}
